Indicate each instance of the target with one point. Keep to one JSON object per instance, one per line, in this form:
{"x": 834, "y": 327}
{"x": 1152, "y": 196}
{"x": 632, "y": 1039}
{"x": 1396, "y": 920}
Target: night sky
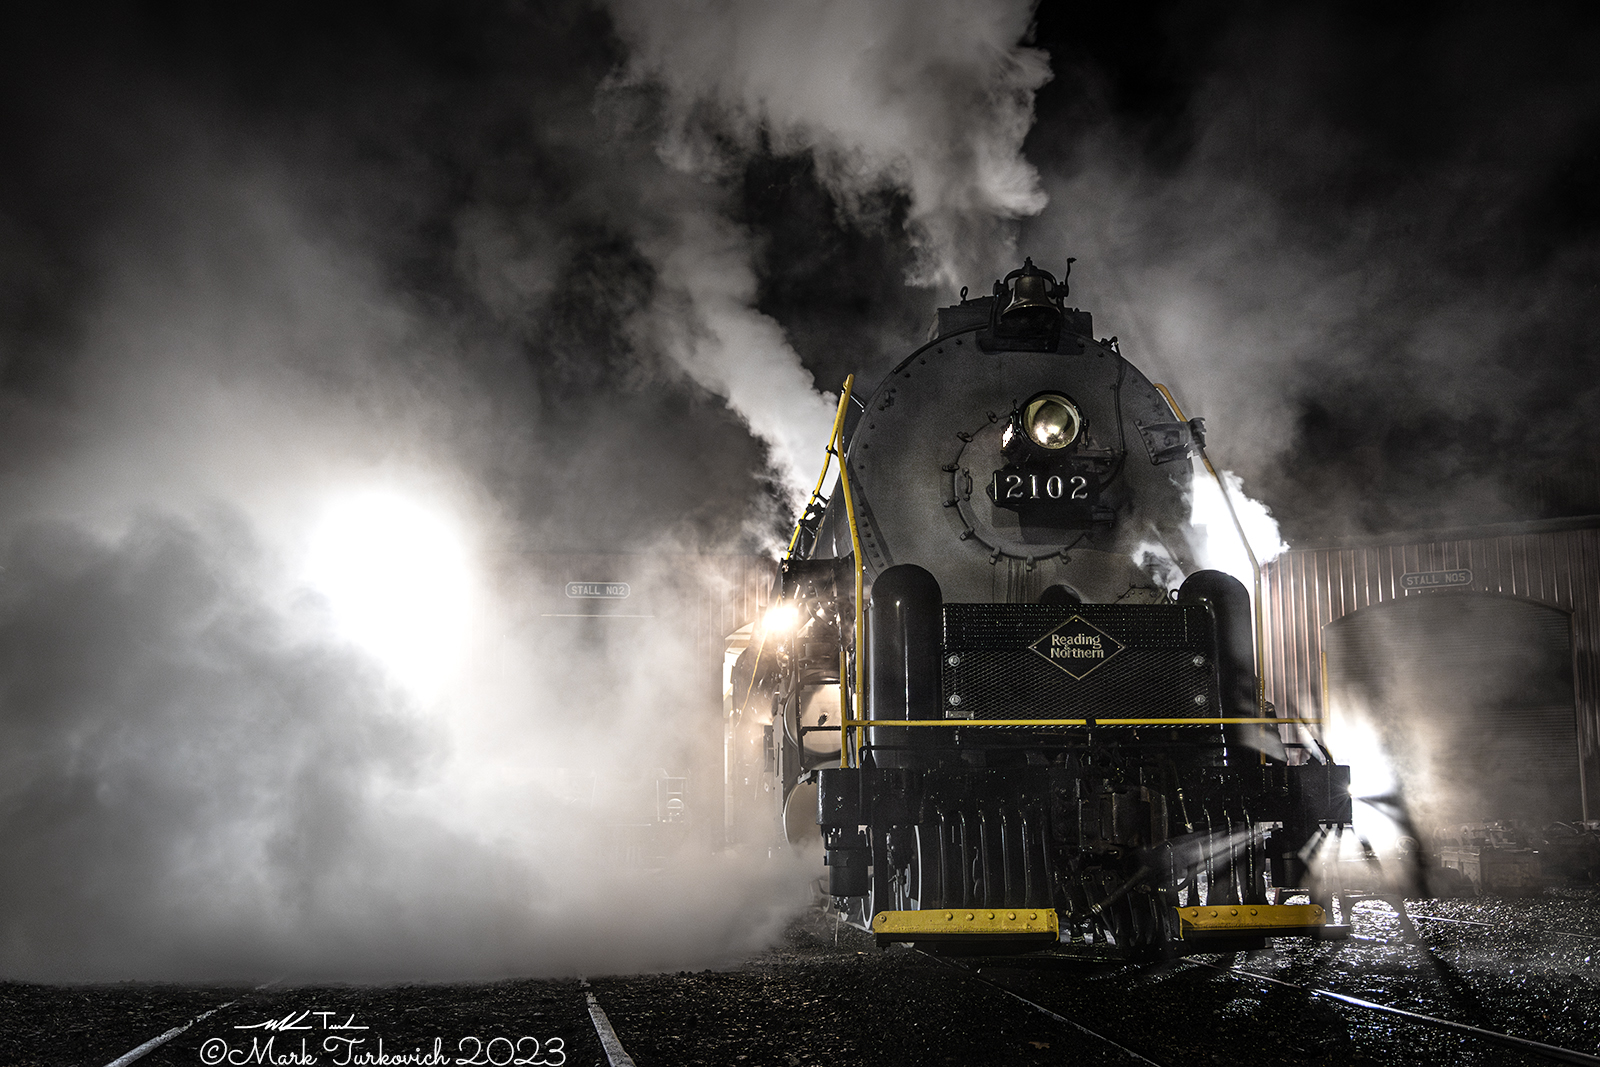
{"x": 1398, "y": 202}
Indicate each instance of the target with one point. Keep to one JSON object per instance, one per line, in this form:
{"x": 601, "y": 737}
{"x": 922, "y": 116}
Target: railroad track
{"x": 1490, "y": 926}
{"x": 531, "y": 1023}
{"x": 1465, "y": 992}
{"x": 1148, "y": 1049}
{"x": 1073, "y": 1025}
{"x": 1493, "y": 1037}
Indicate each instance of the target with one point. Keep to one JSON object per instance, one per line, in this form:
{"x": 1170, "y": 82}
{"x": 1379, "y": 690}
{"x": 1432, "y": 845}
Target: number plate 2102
{"x": 1018, "y": 490}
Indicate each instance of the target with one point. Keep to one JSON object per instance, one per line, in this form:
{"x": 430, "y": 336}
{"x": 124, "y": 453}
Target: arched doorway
{"x": 1471, "y": 696}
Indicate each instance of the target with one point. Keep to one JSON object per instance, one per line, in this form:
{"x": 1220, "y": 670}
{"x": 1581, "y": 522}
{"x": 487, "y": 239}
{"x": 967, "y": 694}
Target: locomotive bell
{"x": 1031, "y": 310}
{"x": 1032, "y": 291}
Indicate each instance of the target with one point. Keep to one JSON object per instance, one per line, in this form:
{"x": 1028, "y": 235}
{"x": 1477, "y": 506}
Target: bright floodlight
{"x": 396, "y": 577}
{"x": 1353, "y": 741}
{"x": 781, "y": 618}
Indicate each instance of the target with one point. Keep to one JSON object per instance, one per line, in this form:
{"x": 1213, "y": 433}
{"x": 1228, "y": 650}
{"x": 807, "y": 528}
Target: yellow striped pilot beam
{"x": 955, "y": 924}
{"x": 1264, "y": 720}
{"x": 1246, "y": 920}
{"x": 1042, "y": 924}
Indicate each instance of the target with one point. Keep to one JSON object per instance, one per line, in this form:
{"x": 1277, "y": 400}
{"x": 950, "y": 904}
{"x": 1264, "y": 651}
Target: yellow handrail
{"x": 855, "y": 549}
{"x": 816, "y": 495}
{"x": 1325, "y": 709}
{"x": 1077, "y": 722}
{"x": 1255, "y": 567}
{"x": 833, "y": 437}
{"x": 844, "y": 708}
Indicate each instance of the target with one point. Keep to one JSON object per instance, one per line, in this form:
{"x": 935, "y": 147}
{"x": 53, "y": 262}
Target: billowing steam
{"x": 931, "y": 100}
{"x": 1225, "y": 525}
{"x": 934, "y": 99}
{"x": 1234, "y": 533}
{"x": 397, "y": 581}
{"x": 272, "y": 696}
{"x": 704, "y": 319}
{"x": 269, "y": 705}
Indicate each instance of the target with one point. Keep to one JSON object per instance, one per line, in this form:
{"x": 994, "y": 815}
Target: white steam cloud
{"x": 1219, "y": 540}
{"x": 209, "y": 763}
{"x": 933, "y": 100}
{"x": 233, "y": 741}
{"x": 704, "y": 319}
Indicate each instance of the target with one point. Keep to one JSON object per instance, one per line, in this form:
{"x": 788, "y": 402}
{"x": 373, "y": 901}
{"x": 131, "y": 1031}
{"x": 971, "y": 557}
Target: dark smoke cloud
{"x": 1364, "y": 243}
{"x": 933, "y": 99}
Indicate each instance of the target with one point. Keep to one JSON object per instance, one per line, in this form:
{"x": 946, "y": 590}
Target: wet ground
{"x": 826, "y": 996}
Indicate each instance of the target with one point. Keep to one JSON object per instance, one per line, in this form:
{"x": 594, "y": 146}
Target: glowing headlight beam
{"x": 781, "y": 618}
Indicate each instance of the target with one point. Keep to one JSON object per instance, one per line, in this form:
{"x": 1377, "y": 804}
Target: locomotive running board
{"x": 966, "y": 924}
{"x": 1227, "y": 922}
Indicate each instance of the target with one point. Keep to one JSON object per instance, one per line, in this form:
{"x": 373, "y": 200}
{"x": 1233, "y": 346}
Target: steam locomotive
{"x": 1015, "y": 707}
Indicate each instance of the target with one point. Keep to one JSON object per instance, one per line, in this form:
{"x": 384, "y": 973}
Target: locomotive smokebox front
{"x": 1050, "y": 718}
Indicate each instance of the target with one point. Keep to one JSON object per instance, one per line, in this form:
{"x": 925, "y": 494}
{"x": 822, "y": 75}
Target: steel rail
{"x": 1458, "y": 922}
{"x": 139, "y": 1052}
{"x": 156, "y": 1042}
{"x": 1492, "y": 926}
{"x": 1124, "y": 1049}
{"x": 616, "y": 1055}
{"x": 1494, "y": 1037}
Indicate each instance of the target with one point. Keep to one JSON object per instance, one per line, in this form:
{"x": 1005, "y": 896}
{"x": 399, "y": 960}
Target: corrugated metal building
{"x": 1474, "y": 653}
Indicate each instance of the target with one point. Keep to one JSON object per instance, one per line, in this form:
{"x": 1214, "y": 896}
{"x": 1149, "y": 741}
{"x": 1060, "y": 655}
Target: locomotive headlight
{"x": 1052, "y": 421}
{"x": 781, "y": 618}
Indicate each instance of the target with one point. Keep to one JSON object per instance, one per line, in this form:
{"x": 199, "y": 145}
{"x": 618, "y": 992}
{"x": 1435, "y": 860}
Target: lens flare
{"x": 1353, "y": 741}
{"x": 781, "y": 618}
{"x": 396, "y": 577}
